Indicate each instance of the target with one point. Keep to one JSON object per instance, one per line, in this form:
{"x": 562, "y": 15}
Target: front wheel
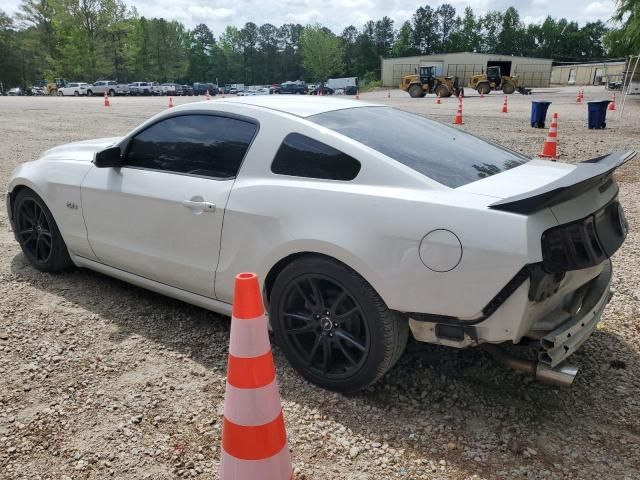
{"x": 332, "y": 326}
{"x": 442, "y": 91}
{"x": 415, "y": 91}
{"x": 508, "y": 88}
{"x": 112, "y": 93}
{"x": 89, "y": 93}
{"x": 38, "y": 234}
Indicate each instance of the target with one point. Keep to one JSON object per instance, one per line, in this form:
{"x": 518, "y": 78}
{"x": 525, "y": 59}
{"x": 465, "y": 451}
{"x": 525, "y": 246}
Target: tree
{"x": 322, "y": 52}
{"x": 383, "y": 36}
{"x": 468, "y": 37}
{"x": 628, "y": 14}
{"x": 403, "y": 46}
{"x": 425, "y": 30}
{"x": 511, "y": 33}
{"x": 447, "y": 25}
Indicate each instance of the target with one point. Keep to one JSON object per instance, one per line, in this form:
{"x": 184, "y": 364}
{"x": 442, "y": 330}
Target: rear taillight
{"x": 584, "y": 243}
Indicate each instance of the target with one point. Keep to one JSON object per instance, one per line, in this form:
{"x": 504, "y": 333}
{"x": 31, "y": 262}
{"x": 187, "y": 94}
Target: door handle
{"x": 202, "y": 206}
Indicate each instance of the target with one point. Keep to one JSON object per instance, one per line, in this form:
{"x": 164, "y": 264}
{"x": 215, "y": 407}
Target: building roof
{"x": 475, "y": 54}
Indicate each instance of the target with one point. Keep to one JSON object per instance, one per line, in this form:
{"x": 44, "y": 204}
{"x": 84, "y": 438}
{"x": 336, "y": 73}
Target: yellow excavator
{"x": 494, "y": 80}
{"x": 418, "y": 85}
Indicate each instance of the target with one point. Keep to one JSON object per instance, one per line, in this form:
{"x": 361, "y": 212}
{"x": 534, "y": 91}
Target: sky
{"x": 337, "y": 14}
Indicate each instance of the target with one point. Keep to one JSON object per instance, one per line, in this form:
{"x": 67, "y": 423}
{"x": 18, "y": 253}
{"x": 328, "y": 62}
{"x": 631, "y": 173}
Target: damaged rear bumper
{"x": 564, "y": 340}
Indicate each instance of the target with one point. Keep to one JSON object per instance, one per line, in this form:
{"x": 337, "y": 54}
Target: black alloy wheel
{"x": 324, "y": 326}
{"x": 332, "y": 326}
{"x": 38, "y": 234}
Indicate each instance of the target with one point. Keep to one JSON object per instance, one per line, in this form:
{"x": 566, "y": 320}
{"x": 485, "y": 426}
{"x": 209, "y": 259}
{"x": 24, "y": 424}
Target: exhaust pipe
{"x": 561, "y": 376}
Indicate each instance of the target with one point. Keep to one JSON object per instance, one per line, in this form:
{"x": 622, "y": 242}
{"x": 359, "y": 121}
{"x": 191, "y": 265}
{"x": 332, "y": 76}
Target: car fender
{"x": 57, "y": 183}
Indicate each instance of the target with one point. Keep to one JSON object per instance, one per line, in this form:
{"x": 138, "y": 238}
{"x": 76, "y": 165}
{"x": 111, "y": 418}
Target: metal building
{"x": 532, "y": 72}
{"x": 587, "y": 73}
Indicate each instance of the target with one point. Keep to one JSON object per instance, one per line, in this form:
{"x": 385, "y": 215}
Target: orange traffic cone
{"x": 481, "y": 93}
{"x": 170, "y": 102}
{"x": 438, "y": 101}
{"x": 582, "y": 94}
{"x": 207, "y": 96}
{"x": 549, "y": 149}
{"x": 254, "y": 440}
{"x": 612, "y": 105}
{"x": 579, "y": 97}
{"x": 504, "y": 105}
{"x": 106, "y": 100}
{"x": 458, "y": 119}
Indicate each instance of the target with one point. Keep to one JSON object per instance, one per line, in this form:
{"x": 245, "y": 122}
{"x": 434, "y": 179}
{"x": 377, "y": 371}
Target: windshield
{"x": 443, "y": 153}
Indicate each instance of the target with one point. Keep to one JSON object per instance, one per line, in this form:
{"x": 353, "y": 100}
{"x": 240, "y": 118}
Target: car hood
{"x": 80, "y": 151}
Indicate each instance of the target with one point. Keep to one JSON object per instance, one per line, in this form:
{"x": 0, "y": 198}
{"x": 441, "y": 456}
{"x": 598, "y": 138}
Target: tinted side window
{"x": 301, "y": 156}
{"x": 445, "y": 154}
{"x": 195, "y": 144}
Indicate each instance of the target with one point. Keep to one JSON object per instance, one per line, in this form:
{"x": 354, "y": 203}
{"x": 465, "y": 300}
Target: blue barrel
{"x": 539, "y": 113}
{"x": 597, "y": 114}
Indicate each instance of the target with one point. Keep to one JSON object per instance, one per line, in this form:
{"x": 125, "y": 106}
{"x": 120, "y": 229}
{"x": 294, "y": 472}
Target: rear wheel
{"x": 112, "y": 93}
{"x": 332, "y": 326}
{"x": 38, "y": 233}
{"x": 89, "y": 93}
{"x": 415, "y": 91}
{"x": 60, "y": 94}
{"x": 508, "y": 88}
{"x": 76, "y": 94}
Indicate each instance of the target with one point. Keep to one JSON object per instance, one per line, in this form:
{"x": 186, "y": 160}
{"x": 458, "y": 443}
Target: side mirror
{"x": 109, "y": 157}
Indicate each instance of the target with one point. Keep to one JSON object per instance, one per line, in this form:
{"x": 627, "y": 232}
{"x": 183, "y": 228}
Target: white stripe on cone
{"x": 249, "y": 337}
{"x": 277, "y": 467}
{"x": 252, "y": 406}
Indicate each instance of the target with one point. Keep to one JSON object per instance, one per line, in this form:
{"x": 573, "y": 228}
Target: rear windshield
{"x": 443, "y": 153}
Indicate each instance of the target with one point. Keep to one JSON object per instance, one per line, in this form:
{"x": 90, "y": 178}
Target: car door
{"x": 160, "y": 215}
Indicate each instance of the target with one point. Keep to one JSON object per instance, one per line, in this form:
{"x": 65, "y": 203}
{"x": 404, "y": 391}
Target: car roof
{"x": 298, "y": 105}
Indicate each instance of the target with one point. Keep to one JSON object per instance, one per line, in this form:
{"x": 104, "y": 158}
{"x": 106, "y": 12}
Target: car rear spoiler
{"x": 585, "y": 176}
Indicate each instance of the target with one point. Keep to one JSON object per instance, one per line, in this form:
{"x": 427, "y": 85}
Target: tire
{"x": 363, "y": 338}
{"x": 89, "y": 93}
{"x": 443, "y": 91}
{"x": 60, "y": 94}
{"x": 112, "y": 93}
{"x": 76, "y": 94}
{"x": 415, "y": 91}
{"x": 484, "y": 88}
{"x": 508, "y": 88}
{"x": 33, "y": 241}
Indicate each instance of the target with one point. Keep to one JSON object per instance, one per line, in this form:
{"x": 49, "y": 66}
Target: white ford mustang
{"x": 362, "y": 221}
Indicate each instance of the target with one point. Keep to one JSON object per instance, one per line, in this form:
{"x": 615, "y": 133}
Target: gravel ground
{"x": 100, "y": 379}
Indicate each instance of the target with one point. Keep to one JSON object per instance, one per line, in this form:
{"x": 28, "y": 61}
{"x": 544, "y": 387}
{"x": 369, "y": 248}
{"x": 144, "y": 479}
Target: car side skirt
{"x": 173, "y": 292}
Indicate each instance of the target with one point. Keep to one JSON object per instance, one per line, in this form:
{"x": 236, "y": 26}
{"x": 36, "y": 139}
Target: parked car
{"x": 168, "y": 89}
{"x": 324, "y": 90}
{"x": 112, "y": 88}
{"x": 15, "y": 92}
{"x": 249, "y": 92}
{"x": 262, "y": 91}
{"x": 35, "y": 90}
{"x": 187, "y": 89}
{"x": 76, "y": 89}
{"x": 351, "y": 90}
{"x": 156, "y": 88}
{"x": 299, "y": 88}
{"x": 140, "y": 88}
{"x": 200, "y": 88}
{"x": 469, "y": 243}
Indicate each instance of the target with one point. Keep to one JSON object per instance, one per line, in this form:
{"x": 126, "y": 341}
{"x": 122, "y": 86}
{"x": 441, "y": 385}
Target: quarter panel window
{"x": 205, "y": 145}
{"x": 301, "y": 156}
